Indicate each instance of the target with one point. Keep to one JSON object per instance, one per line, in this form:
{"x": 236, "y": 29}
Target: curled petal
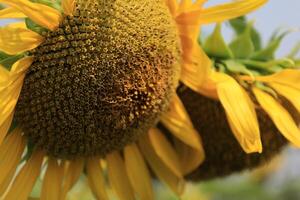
{"x": 280, "y": 116}
{"x": 240, "y": 112}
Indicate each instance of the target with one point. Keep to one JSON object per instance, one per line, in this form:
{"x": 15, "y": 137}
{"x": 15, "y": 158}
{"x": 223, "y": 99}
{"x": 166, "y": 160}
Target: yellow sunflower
{"x": 250, "y": 100}
{"x": 85, "y": 83}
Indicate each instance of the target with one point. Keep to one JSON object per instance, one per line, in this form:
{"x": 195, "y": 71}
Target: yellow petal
{"x": 73, "y": 170}
{"x": 219, "y": 13}
{"x": 190, "y": 158}
{"x": 16, "y": 40}
{"x": 164, "y": 150}
{"x": 8, "y": 103}
{"x": 281, "y": 118}
{"x": 26, "y": 178}
{"x": 196, "y": 66}
{"x": 138, "y": 173}
{"x": 176, "y": 183}
{"x": 68, "y": 6}
{"x": 291, "y": 94}
{"x": 178, "y": 122}
{"x": 4, "y": 75}
{"x": 21, "y": 65}
{"x": 240, "y": 112}
{"x": 5, "y": 127}
{"x": 41, "y": 14}
{"x": 11, "y": 13}
{"x": 173, "y": 6}
{"x": 10, "y": 155}
{"x": 52, "y": 181}
{"x": 96, "y": 178}
{"x": 18, "y": 69}
{"x": 288, "y": 77}
{"x": 118, "y": 176}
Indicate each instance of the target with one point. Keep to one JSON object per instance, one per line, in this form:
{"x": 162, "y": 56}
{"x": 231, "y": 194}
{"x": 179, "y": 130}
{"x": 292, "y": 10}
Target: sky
{"x": 275, "y": 14}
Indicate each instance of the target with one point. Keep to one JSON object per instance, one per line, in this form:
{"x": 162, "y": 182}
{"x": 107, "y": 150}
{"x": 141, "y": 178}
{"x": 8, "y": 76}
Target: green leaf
{"x": 215, "y": 45}
{"x": 7, "y": 61}
{"x": 242, "y": 46}
{"x": 268, "y": 53}
{"x": 54, "y": 4}
{"x": 240, "y": 24}
{"x": 33, "y": 26}
{"x": 237, "y": 67}
{"x": 294, "y": 51}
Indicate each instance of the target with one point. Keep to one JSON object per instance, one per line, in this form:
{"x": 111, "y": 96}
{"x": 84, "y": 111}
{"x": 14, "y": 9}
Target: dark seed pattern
{"x": 224, "y": 154}
{"x": 101, "y": 79}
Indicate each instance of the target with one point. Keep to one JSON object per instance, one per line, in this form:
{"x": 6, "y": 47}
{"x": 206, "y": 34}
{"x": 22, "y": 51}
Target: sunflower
{"x": 250, "y": 101}
{"x": 83, "y": 85}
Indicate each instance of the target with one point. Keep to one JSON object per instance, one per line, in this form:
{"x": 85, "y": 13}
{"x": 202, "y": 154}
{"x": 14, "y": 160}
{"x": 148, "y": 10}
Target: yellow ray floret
{"x": 280, "y": 116}
{"x": 15, "y": 39}
{"x": 10, "y": 155}
{"x": 219, "y": 13}
{"x": 10, "y": 90}
{"x": 240, "y": 112}
{"x": 180, "y": 125}
{"x": 118, "y": 176}
{"x": 68, "y": 6}
{"x": 288, "y": 77}
{"x": 26, "y": 178}
{"x": 96, "y": 178}
{"x": 52, "y": 180}
{"x": 176, "y": 183}
{"x": 138, "y": 173}
{"x": 72, "y": 172}
{"x": 41, "y": 14}
{"x": 164, "y": 150}
{"x": 11, "y": 13}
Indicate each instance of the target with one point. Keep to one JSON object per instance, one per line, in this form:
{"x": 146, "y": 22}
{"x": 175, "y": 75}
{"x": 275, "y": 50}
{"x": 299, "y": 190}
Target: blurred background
{"x": 281, "y": 179}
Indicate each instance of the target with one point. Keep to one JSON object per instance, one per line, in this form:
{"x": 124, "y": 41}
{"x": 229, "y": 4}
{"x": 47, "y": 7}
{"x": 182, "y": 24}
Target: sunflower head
{"x": 86, "y": 83}
{"x": 101, "y": 78}
{"x": 250, "y": 101}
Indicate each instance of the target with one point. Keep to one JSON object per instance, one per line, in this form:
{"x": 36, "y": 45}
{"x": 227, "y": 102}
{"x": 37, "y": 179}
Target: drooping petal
{"x": 178, "y": 122}
{"x": 96, "y": 178}
{"x": 118, "y": 176}
{"x": 196, "y": 66}
{"x": 288, "y": 77}
{"x": 68, "y": 6}
{"x": 280, "y": 116}
{"x": 240, "y": 112}
{"x": 39, "y": 13}
{"x": 164, "y": 150}
{"x": 5, "y": 127}
{"x": 138, "y": 173}
{"x": 52, "y": 181}
{"x": 10, "y": 155}
{"x": 176, "y": 183}
{"x": 219, "y": 13}
{"x": 15, "y": 40}
{"x": 291, "y": 94}
{"x": 72, "y": 172}
{"x": 190, "y": 159}
{"x": 11, "y": 13}
{"x": 26, "y": 178}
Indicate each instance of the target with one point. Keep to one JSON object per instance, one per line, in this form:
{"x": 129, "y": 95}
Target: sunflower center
{"x": 101, "y": 79}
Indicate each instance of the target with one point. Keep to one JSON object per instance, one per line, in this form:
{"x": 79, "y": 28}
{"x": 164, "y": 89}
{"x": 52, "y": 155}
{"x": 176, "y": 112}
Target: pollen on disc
{"x": 101, "y": 79}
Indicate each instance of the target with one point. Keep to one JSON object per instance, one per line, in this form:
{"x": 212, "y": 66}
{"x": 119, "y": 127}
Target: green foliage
{"x": 242, "y": 46}
{"x": 216, "y": 46}
{"x": 8, "y": 60}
